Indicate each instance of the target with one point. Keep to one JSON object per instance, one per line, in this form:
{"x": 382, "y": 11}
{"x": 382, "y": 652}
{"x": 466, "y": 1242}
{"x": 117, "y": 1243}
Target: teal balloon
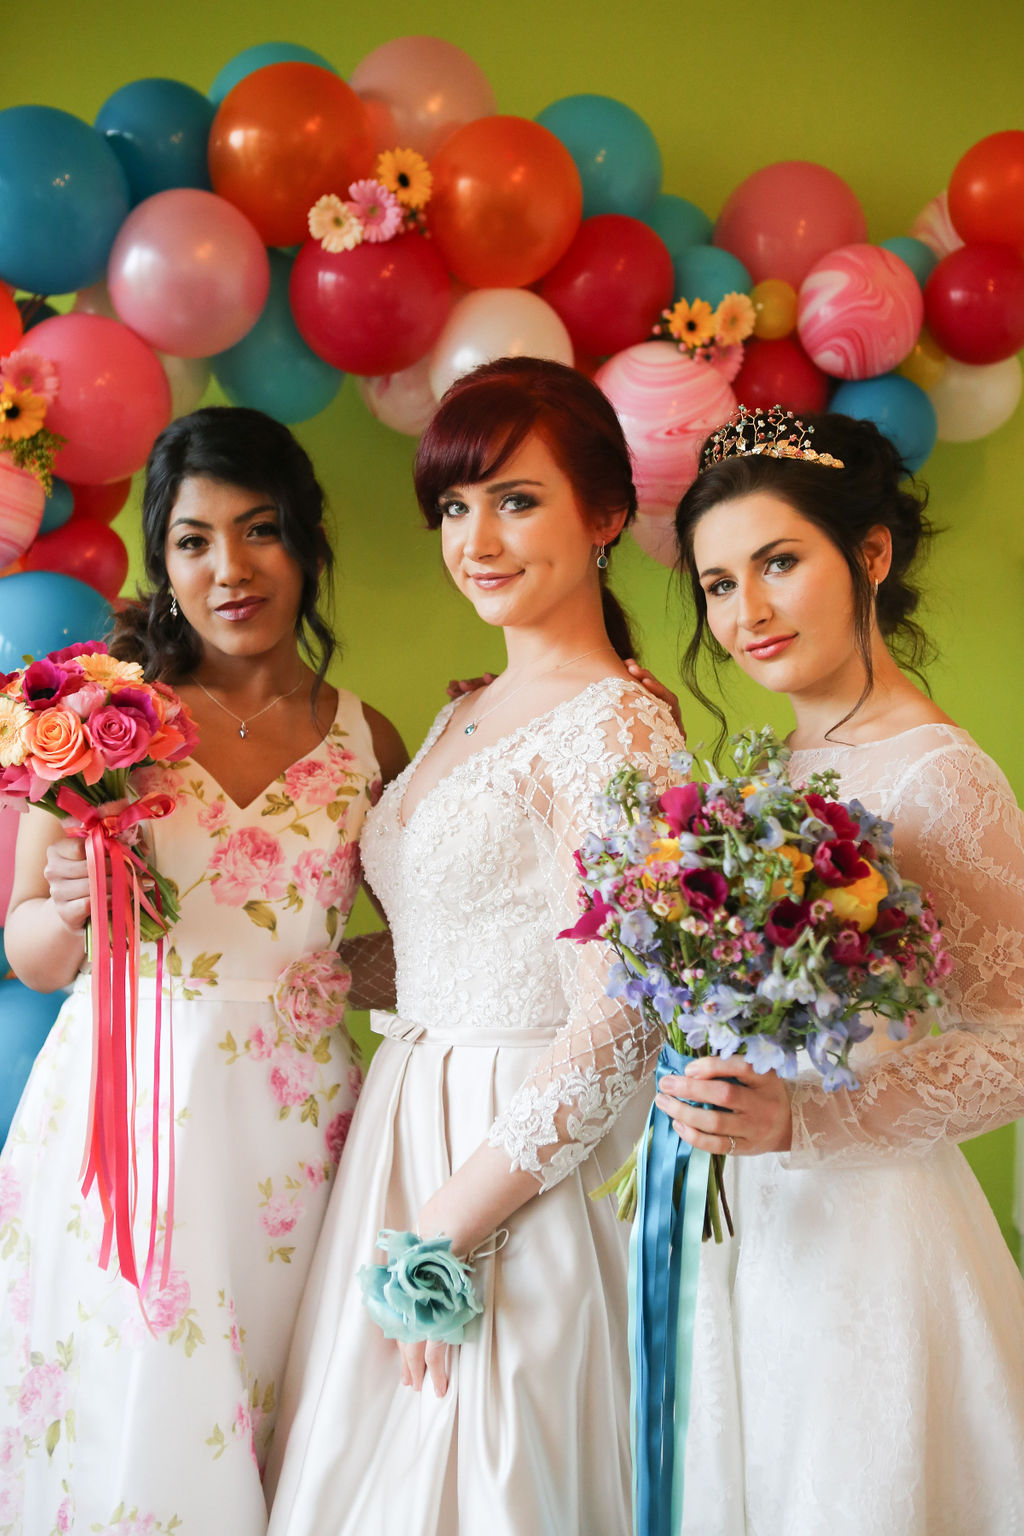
{"x": 42, "y": 611}
{"x": 706, "y": 272}
{"x": 4, "y": 967}
{"x": 27, "y": 1020}
{"x": 920, "y": 258}
{"x": 158, "y": 129}
{"x": 679, "y": 223}
{"x": 615, "y": 152}
{"x": 63, "y": 198}
{"x": 271, "y": 368}
{"x": 258, "y": 57}
{"x": 898, "y": 407}
{"x": 59, "y": 507}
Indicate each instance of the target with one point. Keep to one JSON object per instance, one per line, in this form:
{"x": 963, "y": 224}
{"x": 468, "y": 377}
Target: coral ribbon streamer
{"x": 110, "y": 1158}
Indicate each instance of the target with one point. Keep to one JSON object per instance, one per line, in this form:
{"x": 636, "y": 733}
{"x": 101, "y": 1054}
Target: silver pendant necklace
{"x": 244, "y": 724}
{"x": 471, "y": 727}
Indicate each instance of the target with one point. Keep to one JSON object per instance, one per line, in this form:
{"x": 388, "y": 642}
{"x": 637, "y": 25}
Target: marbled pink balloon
{"x": 667, "y": 404}
{"x": 934, "y": 227}
{"x": 22, "y": 501}
{"x": 860, "y": 312}
{"x": 402, "y": 401}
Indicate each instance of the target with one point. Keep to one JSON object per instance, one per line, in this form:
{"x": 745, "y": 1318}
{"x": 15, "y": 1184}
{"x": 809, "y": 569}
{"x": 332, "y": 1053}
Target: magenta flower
{"x": 833, "y": 815}
{"x": 79, "y": 648}
{"x": 704, "y": 890}
{"x": 590, "y": 924}
{"x": 850, "y": 947}
{"x": 120, "y": 736}
{"x": 379, "y": 210}
{"x": 680, "y": 805}
{"x": 839, "y": 862}
{"x": 786, "y": 922}
{"x": 45, "y": 682}
{"x": 25, "y": 370}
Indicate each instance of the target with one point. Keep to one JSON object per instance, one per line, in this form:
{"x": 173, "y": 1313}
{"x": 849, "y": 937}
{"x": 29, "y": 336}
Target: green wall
{"x": 887, "y": 95}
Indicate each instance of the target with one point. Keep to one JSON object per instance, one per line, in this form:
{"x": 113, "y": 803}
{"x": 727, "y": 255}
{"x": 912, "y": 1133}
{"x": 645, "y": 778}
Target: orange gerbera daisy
{"x": 692, "y": 324}
{"x": 734, "y": 319}
{"x": 407, "y": 175}
{"x": 21, "y": 413}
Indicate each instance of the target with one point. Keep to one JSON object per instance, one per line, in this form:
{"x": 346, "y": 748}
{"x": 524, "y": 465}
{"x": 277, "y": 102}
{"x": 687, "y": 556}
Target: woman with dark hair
{"x": 859, "y": 1346}
{"x": 494, "y": 1100}
{"x": 161, "y": 1414}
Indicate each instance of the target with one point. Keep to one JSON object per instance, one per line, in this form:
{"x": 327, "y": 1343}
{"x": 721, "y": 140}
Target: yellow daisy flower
{"x": 21, "y": 413}
{"x": 14, "y": 722}
{"x": 692, "y": 324}
{"x": 735, "y": 318}
{"x": 107, "y": 670}
{"x": 407, "y": 175}
{"x": 335, "y": 224}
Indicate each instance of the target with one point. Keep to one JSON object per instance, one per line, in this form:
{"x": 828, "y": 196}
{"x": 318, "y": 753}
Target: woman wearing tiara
{"x": 496, "y": 1098}
{"x": 859, "y": 1357}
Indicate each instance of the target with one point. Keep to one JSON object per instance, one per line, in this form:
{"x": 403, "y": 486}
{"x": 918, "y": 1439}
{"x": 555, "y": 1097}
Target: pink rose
{"x": 214, "y": 816}
{"x": 261, "y": 1043}
{"x": 280, "y": 1216}
{"x": 336, "y": 1135}
{"x": 10, "y": 1194}
{"x": 85, "y": 699}
{"x": 291, "y": 1076}
{"x": 41, "y": 1399}
{"x": 307, "y": 871}
{"x": 340, "y": 757}
{"x": 315, "y": 1173}
{"x": 167, "y": 1307}
{"x": 311, "y": 781}
{"x": 342, "y": 874}
{"x": 121, "y": 734}
{"x": 309, "y": 995}
{"x": 248, "y": 866}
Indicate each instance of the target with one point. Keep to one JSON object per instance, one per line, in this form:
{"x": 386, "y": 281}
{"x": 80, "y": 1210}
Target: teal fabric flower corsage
{"x": 422, "y": 1292}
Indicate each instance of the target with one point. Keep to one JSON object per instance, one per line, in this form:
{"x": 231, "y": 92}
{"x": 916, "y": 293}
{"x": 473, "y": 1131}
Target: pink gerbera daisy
{"x": 28, "y": 372}
{"x": 379, "y": 210}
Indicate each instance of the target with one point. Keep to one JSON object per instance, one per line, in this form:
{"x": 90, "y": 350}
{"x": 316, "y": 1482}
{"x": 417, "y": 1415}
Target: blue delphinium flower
{"x": 639, "y": 931}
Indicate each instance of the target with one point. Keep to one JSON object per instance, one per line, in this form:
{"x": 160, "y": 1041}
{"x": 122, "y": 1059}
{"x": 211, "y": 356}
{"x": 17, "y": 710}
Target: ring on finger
{"x": 732, "y": 1145}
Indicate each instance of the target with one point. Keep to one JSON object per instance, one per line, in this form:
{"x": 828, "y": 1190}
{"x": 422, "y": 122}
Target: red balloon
{"x": 986, "y": 191}
{"x": 785, "y": 217}
{"x": 11, "y": 324}
{"x": 375, "y": 309}
{"x": 780, "y": 373}
{"x": 506, "y": 203}
{"x": 102, "y": 502}
{"x": 974, "y": 303}
{"x": 85, "y": 549}
{"x": 611, "y": 285}
{"x": 282, "y": 137}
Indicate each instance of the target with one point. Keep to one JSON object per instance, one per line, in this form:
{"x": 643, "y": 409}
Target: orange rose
{"x": 59, "y": 747}
{"x": 858, "y": 903}
{"x": 801, "y": 863}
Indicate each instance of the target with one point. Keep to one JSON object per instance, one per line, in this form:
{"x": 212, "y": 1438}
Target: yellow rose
{"x": 801, "y": 862}
{"x": 858, "y": 903}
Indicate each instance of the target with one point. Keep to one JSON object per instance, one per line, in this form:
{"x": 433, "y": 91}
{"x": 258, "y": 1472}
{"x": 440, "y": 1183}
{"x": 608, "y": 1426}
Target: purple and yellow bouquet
{"x": 753, "y": 918}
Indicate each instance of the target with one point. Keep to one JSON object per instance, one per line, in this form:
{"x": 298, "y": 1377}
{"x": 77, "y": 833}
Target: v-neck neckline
{"x": 277, "y": 777}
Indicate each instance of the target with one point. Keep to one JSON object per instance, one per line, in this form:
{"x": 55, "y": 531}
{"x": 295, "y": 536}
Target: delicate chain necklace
{"x": 244, "y": 724}
{"x": 471, "y": 727}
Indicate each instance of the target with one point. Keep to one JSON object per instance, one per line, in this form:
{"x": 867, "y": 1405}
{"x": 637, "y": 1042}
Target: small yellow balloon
{"x": 925, "y": 366}
{"x": 775, "y": 307}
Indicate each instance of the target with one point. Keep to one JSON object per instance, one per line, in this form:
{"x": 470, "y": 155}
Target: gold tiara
{"x": 774, "y": 434}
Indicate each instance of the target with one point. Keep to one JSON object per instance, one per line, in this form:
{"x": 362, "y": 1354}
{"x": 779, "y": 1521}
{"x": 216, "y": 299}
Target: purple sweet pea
{"x": 704, "y": 890}
{"x": 839, "y": 862}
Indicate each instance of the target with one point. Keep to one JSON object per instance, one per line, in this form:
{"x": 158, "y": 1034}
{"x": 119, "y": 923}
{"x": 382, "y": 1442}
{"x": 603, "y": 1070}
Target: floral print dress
{"x": 109, "y": 1422}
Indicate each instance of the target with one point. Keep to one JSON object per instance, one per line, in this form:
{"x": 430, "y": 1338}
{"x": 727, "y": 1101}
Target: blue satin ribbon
{"x": 672, "y": 1182}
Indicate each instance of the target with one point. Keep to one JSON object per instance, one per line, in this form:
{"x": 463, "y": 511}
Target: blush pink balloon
{"x": 419, "y": 90}
{"x": 496, "y": 322}
{"x": 860, "y": 312}
{"x": 402, "y": 401}
{"x": 934, "y": 227}
{"x": 667, "y": 404}
{"x": 114, "y": 396}
{"x": 785, "y": 216}
{"x": 22, "y": 503}
{"x": 188, "y": 272}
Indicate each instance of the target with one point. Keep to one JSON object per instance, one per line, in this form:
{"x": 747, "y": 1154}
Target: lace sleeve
{"x": 960, "y": 834}
{"x": 371, "y": 959}
{"x": 604, "y": 1051}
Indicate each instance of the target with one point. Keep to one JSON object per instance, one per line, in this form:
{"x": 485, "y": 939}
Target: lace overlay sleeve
{"x": 371, "y": 959}
{"x": 959, "y": 833}
{"x": 605, "y": 1050}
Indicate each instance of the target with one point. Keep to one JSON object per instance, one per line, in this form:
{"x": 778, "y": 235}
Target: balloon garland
{"x": 290, "y": 226}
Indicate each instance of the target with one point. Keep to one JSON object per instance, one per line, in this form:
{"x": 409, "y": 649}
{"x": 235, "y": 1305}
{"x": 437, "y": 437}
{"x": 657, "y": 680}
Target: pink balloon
{"x": 656, "y": 536}
{"x": 419, "y": 90}
{"x": 934, "y": 227}
{"x": 114, "y": 396}
{"x": 860, "y": 312}
{"x": 9, "y": 820}
{"x": 667, "y": 404}
{"x": 22, "y": 503}
{"x": 402, "y": 401}
{"x": 188, "y": 272}
{"x": 784, "y": 217}
{"x": 496, "y": 322}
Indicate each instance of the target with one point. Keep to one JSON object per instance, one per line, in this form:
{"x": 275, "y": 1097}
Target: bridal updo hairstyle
{"x": 239, "y": 447}
{"x": 486, "y": 416}
{"x": 874, "y": 489}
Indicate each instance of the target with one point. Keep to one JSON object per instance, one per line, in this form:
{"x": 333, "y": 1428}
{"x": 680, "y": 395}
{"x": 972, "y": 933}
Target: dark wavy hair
{"x": 486, "y": 416}
{"x": 234, "y": 446}
{"x": 874, "y": 489}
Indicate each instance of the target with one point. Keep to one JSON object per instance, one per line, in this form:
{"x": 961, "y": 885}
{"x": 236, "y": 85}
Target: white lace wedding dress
{"x": 859, "y": 1360}
{"x": 503, "y": 1033}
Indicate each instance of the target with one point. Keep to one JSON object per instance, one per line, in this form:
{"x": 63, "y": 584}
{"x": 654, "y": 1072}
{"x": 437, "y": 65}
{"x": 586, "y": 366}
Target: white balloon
{"x": 402, "y": 401}
{"x": 970, "y": 402}
{"x": 188, "y": 378}
{"x": 496, "y": 322}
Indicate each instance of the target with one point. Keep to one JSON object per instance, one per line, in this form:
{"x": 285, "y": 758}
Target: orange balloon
{"x": 986, "y": 191}
{"x": 507, "y": 202}
{"x": 775, "y": 306}
{"x": 11, "y": 324}
{"x": 282, "y": 137}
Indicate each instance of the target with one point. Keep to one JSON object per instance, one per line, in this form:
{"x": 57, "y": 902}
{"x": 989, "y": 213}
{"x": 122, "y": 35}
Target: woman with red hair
{"x": 453, "y": 1399}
